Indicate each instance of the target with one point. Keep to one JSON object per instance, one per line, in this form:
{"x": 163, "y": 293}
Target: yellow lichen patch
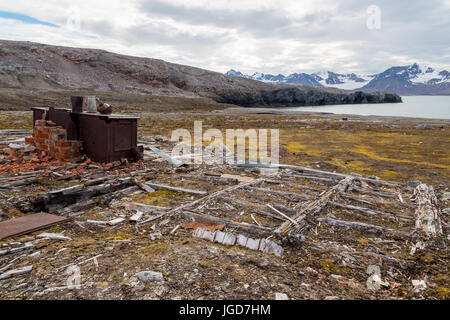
{"x": 442, "y": 292}
{"x": 371, "y": 154}
{"x": 162, "y": 198}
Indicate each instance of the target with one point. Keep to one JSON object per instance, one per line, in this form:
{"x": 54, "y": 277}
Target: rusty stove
{"x": 106, "y": 138}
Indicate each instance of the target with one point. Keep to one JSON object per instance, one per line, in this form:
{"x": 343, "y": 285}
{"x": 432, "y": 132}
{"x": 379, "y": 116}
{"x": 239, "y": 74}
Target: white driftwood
{"x": 15, "y": 272}
{"x": 427, "y": 213}
{"x": 283, "y": 215}
{"x": 54, "y": 236}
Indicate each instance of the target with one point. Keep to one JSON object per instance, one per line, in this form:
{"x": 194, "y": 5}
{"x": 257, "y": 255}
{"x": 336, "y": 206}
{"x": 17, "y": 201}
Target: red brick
{"x": 58, "y": 131}
{"x": 62, "y": 143}
{"x": 29, "y": 140}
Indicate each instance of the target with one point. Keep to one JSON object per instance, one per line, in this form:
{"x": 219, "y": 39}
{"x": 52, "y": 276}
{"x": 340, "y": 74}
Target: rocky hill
{"x": 26, "y": 65}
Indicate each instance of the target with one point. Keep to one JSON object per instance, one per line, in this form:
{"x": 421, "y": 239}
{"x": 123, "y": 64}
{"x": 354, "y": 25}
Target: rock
{"x": 160, "y": 139}
{"x": 413, "y": 184}
{"x": 419, "y": 285}
{"x": 149, "y": 276}
{"x": 29, "y": 149}
{"x": 15, "y": 146}
{"x": 281, "y": 296}
{"x": 137, "y": 216}
{"x": 3, "y": 215}
{"x": 331, "y": 298}
{"x": 424, "y": 126}
{"x": 373, "y": 177}
{"x": 155, "y": 236}
{"x": 391, "y": 126}
{"x": 374, "y": 282}
{"x": 445, "y": 196}
{"x": 446, "y": 211}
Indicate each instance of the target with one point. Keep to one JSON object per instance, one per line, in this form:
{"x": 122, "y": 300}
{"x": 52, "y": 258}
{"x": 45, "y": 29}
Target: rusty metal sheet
{"x": 29, "y": 223}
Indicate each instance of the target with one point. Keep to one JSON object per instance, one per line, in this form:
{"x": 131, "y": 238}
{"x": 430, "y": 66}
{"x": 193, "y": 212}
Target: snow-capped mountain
{"x": 320, "y": 79}
{"x": 342, "y": 81}
{"x": 412, "y": 79}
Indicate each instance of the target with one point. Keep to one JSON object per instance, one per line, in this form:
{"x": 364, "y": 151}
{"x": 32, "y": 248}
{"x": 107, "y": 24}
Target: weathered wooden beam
{"x": 252, "y": 229}
{"x": 371, "y": 212}
{"x": 364, "y": 227}
{"x": 427, "y": 214}
{"x": 313, "y": 208}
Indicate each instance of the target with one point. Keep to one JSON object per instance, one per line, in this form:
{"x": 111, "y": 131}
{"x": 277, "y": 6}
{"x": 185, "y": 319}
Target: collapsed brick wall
{"x": 52, "y": 139}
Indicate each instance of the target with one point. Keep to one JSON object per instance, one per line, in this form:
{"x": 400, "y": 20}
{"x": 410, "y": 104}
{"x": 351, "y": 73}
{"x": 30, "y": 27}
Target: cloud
{"x": 250, "y": 35}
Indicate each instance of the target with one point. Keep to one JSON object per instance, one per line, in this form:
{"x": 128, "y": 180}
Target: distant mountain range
{"x": 408, "y": 80}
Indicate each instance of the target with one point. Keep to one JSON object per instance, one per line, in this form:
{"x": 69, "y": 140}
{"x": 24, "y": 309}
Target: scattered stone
{"x": 391, "y": 126}
{"x": 155, "y": 236}
{"x": 419, "y": 285}
{"x": 374, "y": 282}
{"x": 424, "y": 126}
{"x": 149, "y": 276}
{"x": 137, "y": 216}
{"x": 331, "y": 298}
{"x": 15, "y": 146}
{"x": 445, "y": 196}
{"x": 413, "y": 184}
{"x": 3, "y": 215}
{"x": 160, "y": 139}
{"x": 281, "y": 296}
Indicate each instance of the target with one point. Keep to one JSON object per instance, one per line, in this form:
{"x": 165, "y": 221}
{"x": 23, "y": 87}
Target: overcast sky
{"x": 283, "y": 36}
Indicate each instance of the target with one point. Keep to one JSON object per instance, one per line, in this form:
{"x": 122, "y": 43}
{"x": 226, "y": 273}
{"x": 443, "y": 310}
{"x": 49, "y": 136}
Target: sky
{"x": 283, "y": 36}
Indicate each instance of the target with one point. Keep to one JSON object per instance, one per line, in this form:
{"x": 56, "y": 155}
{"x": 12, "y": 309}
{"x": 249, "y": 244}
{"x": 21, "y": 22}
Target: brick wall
{"x": 52, "y": 139}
